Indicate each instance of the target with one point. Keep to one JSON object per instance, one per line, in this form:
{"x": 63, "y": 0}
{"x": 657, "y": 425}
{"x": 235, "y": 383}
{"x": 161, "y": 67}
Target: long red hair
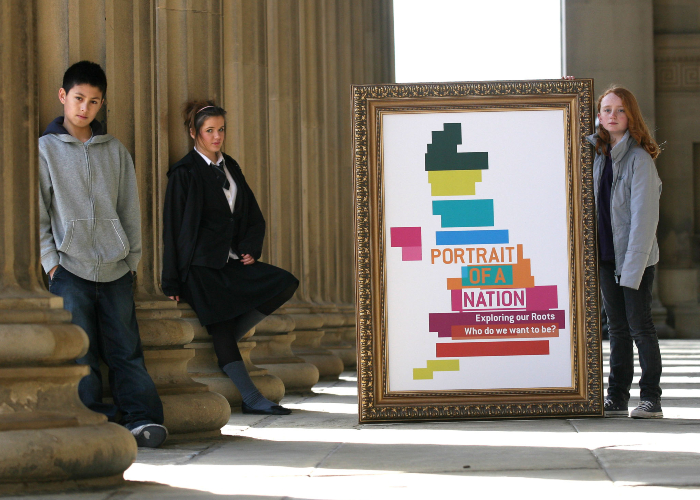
{"x": 635, "y": 123}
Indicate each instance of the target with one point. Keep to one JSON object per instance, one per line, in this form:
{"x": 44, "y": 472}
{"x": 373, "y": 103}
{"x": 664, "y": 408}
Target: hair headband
{"x": 205, "y": 107}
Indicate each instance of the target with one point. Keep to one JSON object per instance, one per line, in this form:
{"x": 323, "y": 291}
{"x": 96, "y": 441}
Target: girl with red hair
{"x": 627, "y": 190}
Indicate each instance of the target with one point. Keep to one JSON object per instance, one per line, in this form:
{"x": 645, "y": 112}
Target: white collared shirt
{"x": 230, "y": 193}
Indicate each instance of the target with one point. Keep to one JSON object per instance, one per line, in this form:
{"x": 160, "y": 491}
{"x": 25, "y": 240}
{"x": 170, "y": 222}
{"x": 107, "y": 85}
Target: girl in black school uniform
{"x": 213, "y": 233}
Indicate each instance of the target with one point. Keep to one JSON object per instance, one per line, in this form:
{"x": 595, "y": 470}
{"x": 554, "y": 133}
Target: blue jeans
{"x": 629, "y": 319}
{"x": 107, "y": 313}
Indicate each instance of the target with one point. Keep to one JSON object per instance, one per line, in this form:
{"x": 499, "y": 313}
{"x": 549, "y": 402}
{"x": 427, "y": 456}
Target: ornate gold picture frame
{"x": 477, "y": 289}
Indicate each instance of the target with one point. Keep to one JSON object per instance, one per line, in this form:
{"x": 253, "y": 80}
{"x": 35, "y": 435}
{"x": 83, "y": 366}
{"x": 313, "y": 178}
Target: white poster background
{"x": 526, "y": 179}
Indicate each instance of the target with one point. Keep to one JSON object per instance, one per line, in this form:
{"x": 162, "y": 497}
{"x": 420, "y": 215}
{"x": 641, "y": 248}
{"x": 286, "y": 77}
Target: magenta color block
{"x": 442, "y": 323}
{"x": 405, "y": 237}
{"x": 411, "y": 253}
{"x": 456, "y": 301}
{"x": 541, "y": 298}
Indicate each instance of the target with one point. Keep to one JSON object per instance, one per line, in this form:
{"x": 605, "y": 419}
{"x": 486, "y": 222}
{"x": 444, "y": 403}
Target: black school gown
{"x": 218, "y": 293}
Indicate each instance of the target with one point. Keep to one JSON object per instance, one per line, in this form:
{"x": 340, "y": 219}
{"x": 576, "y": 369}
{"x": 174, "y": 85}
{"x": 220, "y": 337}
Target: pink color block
{"x": 405, "y": 237}
{"x": 411, "y": 253}
{"x": 541, "y": 298}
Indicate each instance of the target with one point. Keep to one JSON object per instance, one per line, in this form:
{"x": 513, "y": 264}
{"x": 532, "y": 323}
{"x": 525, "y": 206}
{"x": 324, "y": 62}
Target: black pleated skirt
{"x": 222, "y": 294}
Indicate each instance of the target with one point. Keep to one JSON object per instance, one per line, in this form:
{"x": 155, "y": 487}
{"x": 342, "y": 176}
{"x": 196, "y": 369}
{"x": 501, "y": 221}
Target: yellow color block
{"x": 422, "y": 374}
{"x": 435, "y": 365}
{"x": 443, "y": 365}
{"x": 453, "y": 182}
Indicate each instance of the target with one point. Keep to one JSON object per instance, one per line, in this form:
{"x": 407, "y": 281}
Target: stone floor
{"x": 320, "y": 452}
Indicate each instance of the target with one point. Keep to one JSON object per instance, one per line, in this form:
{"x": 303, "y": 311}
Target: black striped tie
{"x": 221, "y": 175}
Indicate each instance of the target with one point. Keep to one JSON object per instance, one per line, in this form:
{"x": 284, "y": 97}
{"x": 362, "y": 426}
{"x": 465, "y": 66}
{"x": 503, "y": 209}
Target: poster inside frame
{"x": 477, "y": 289}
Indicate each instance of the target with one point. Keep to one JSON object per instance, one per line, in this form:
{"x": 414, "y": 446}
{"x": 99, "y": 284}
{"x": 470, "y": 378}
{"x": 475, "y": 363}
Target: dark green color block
{"x": 442, "y": 153}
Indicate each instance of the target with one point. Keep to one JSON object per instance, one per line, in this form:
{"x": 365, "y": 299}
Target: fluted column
{"x": 47, "y": 436}
{"x": 124, "y": 36}
{"x": 346, "y": 345}
{"x": 189, "y": 407}
{"x": 310, "y": 316}
{"x": 677, "y": 59}
{"x": 588, "y": 25}
{"x": 341, "y": 43}
{"x": 284, "y": 215}
{"x": 244, "y": 97}
{"x": 186, "y": 52}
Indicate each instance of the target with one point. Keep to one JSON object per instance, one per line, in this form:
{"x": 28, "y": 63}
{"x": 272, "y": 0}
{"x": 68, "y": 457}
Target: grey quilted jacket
{"x": 634, "y": 208}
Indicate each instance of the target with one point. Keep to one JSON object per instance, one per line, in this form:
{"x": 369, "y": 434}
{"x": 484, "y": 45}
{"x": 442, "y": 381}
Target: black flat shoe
{"x": 273, "y": 410}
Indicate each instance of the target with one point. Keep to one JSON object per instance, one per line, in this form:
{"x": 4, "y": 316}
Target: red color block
{"x": 473, "y": 349}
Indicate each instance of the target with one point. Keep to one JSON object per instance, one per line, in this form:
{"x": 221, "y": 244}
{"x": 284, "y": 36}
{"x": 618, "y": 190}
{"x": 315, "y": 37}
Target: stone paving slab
{"x": 321, "y": 452}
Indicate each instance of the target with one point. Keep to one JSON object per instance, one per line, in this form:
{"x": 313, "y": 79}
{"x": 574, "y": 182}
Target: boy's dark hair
{"x": 85, "y": 72}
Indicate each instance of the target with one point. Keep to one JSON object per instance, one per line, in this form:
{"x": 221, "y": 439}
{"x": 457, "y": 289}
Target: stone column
{"x": 47, "y": 437}
{"x": 591, "y": 28}
{"x": 245, "y": 99}
{"x": 612, "y": 43}
{"x": 122, "y": 37}
{"x": 316, "y": 161}
{"x": 678, "y": 115}
{"x": 284, "y": 216}
{"x": 347, "y": 34}
{"x": 190, "y": 408}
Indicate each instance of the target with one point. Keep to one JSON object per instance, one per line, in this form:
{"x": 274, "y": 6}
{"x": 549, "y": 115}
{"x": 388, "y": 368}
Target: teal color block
{"x": 464, "y": 213}
{"x": 486, "y": 275}
{"x": 442, "y": 153}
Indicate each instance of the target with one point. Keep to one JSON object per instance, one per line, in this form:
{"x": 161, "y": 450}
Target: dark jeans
{"x": 629, "y": 319}
{"x": 107, "y": 313}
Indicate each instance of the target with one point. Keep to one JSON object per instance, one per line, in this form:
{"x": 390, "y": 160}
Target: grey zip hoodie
{"x": 89, "y": 215}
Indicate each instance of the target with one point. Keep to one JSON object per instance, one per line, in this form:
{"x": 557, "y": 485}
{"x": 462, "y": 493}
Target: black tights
{"x": 226, "y": 334}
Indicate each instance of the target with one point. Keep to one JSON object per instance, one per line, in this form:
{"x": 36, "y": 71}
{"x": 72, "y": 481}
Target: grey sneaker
{"x": 647, "y": 409}
{"x": 615, "y": 409}
{"x": 150, "y": 435}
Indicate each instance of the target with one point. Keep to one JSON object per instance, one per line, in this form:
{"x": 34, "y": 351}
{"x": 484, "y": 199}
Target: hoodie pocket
{"x": 110, "y": 240}
{"x": 91, "y": 239}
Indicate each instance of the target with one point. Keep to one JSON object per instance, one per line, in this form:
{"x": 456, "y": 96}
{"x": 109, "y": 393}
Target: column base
{"x": 686, "y": 321}
{"x": 678, "y": 289}
{"x": 190, "y": 408}
{"x": 204, "y": 367}
{"x": 273, "y": 351}
{"x": 308, "y": 347}
{"x": 333, "y": 340}
{"x": 341, "y": 342}
{"x": 659, "y": 316}
{"x": 191, "y": 414}
{"x": 48, "y": 438}
{"x": 53, "y": 458}
{"x": 62, "y": 487}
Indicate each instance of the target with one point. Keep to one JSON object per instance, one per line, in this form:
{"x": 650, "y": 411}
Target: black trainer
{"x": 150, "y": 435}
{"x": 648, "y": 409}
{"x": 615, "y": 409}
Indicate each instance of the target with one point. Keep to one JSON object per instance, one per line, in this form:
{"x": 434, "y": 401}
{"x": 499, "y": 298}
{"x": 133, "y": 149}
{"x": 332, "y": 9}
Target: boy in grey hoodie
{"x": 90, "y": 237}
